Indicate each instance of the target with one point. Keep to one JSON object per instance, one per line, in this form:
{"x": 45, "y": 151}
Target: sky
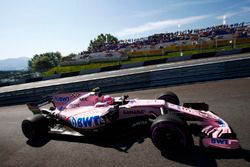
{"x": 29, "y": 27}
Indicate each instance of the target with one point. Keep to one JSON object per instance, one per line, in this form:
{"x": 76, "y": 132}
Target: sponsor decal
{"x": 221, "y": 123}
{"x": 182, "y": 109}
{"x": 85, "y": 121}
{"x": 75, "y": 95}
{"x": 62, "y": 99}
{"x": 187, "y": 109}
{"x": 175, "y": 107}
{"x": 132, "y": 101}
{"x": 61, "y": 108}
{"x": 84, "y": 99}
{"x": 219, "y": 141}
{"x": 74, "y": 105}
{"x": 140, "y": 123}
{"x": 203, "y": 114}
{"x": 208, "y": 115}
{"x": 133, "y": 112}
{"x": 73, "y": 122}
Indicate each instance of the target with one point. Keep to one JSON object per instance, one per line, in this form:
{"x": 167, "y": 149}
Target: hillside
{"x": 13, "y": 64}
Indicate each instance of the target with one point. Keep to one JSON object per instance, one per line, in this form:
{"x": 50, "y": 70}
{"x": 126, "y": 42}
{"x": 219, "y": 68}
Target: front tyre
{"x": 35, "y": 127}
{"x": 171, "y": 135}
{"x": 170, "y": 97}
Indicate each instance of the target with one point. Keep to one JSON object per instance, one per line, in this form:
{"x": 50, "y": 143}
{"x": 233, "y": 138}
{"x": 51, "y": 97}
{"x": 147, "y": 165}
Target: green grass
{"x": 67, "y": 69}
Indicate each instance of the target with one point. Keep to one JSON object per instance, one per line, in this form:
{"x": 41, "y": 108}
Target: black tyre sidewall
{"x": 170, "y": 97}
{"x": 35, "y": 127}
{"x": 175, "y": 125}
{"x": 28, "y": 129}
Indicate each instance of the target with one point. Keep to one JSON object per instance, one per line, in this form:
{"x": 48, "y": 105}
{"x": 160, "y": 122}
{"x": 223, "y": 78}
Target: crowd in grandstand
{"x": 239, "y": 30}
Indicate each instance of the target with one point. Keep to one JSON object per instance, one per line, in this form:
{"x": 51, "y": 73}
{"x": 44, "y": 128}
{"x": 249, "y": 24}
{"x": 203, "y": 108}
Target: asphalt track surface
{"x": 123, "y": 72}
{"x": 229, "y": 98}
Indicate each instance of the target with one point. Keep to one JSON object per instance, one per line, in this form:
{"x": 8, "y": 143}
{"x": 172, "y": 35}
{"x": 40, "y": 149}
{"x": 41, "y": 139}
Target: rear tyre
{"x": 171, "y": 135}
{"x": 170, "y": 97}
{"x": 35, "y": 127}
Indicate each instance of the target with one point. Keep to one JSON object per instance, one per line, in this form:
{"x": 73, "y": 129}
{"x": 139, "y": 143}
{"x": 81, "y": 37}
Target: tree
{"x": 69, "y": 57}
{"x": 45, "y": 61}
{"x": 101, "y": 40}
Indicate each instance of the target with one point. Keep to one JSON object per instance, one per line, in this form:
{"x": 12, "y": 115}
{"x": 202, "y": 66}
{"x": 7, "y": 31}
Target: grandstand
{"x": 164, "y": 43}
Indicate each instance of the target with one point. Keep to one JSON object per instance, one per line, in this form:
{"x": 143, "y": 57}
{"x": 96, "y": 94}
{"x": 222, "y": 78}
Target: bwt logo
{"x": 86, "y": 121}
{"x": 62, "y": 99}
{"x": 219, "y": 141}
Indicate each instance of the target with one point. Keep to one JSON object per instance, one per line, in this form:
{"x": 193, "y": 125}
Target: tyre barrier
{"x": 153, "y": 62}
{"x": 70, "y": 74}
{"x": 163, "y": 77}
{"x": 34, "y": 79}
{"x": 203, "y": 55}
{"x": 132, "y": 65}
{"x": 228, "y": 52}
{"x": 110, "y": 68}
{"x": 175, "y": 59}
{"x": 5, "y": 84}
{"x": 55, "y": 76}
{"x": 21, "y": 81}
{"x": 245, "y": 50}
{"x": 96, "y": 70}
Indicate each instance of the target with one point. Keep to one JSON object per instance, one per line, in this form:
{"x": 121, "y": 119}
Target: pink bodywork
{"x": 85, "y": 111}
{"x": 213, "y": 125}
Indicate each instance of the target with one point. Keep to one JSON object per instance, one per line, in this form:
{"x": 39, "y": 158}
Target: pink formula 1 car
{"x": 172, "y": 125}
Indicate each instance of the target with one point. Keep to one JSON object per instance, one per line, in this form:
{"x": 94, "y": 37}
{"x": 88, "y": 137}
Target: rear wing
{"x": 59, "y": 101}
{"x": 34, "y": 107}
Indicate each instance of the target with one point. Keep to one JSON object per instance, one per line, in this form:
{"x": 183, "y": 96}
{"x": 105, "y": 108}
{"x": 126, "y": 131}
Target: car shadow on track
{"x": 121, "y": 141}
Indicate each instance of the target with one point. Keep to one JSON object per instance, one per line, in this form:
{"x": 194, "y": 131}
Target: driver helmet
{"x": 108, "y": 99}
